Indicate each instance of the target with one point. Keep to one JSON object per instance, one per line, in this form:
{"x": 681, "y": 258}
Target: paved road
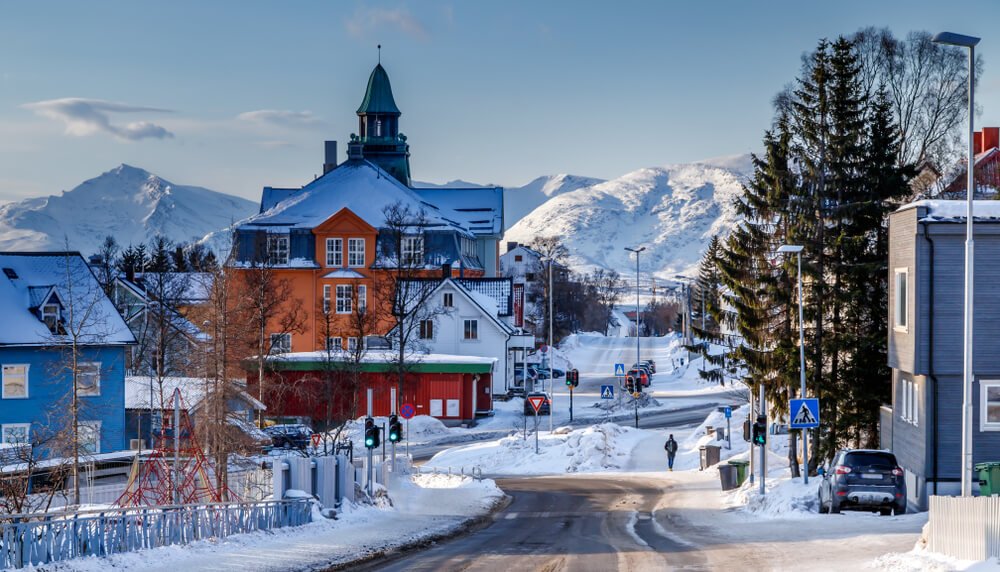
{"x": 574, "y": 524}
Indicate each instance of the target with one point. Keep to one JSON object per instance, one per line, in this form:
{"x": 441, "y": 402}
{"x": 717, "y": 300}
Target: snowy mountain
{"x": 126, "y": 202}
{"x": 672, "y": 211}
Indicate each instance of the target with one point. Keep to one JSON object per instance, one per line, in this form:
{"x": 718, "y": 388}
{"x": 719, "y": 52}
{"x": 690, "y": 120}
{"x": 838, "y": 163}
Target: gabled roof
{"x": 67, "y": 275}
{"x": 480, "y": 299}
{"x": 357, "y": 185}
{"x": 496, "y": 289}
{"x": 378, "y": 96}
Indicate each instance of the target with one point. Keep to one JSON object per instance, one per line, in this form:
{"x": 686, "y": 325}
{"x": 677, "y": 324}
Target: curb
{"x": 373, "y": 560}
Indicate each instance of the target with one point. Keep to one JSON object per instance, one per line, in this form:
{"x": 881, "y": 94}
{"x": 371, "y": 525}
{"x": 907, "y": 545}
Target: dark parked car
{"x": 642, "y": 374}
{"x": 545, "y": 409}
{"x": 291, "y": 436}
{"x": 651, "y": 364}
{"x": 863, "y": 479}
{"x": 644, "y": 367}
{"x": 556, "y": 373}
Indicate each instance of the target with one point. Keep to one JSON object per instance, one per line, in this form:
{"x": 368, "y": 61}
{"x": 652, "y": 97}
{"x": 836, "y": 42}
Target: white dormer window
{"x": 51, "y": 316}
{"x": 277, "y": 249}
{"x": 413, "y": 251}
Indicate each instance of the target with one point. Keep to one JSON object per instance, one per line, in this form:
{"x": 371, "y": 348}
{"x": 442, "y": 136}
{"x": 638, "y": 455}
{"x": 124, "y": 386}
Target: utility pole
{"x": 638, "y": 377}
{"x": 763, "y": 448}
{"x": 552, "y": 390}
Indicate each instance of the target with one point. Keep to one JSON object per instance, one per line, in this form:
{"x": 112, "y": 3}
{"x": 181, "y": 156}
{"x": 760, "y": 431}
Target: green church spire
{"x": 379, "y": 138}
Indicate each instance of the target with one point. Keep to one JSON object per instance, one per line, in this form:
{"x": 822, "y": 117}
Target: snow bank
{"x": 596, "y": 448}
{"x": 785, "y": 498}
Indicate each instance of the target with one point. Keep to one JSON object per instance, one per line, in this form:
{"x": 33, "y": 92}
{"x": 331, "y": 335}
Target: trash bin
{"x": 727, "y": 474}
{"x": 720, "y": 433}
{"x": 741, "y": 471}
{"x": 709, "y": 456}
{"x": 989, "y": 478}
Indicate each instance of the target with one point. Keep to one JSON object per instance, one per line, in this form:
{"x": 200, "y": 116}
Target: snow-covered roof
{"x": 955, "y": 211}
{"x": 359, "y": 186}
{"x": 377, "y": 356}
{"x": 29, "y": 276}
{"x": 189, "y": 287}
{"x": 138, "y": 387}
{"x": 498, "y": 290}
{"x": 480, "y": 209}
{"x": 343, "y": 273}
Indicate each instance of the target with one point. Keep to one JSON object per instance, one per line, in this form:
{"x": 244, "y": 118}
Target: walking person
{"x": 671, "y": 448}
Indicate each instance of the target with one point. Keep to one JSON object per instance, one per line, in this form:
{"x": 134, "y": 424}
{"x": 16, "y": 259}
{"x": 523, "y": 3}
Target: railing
{"x": 51, "y": 537}
{"x": 967, "y": 528}
{"x": 476, "y": 472}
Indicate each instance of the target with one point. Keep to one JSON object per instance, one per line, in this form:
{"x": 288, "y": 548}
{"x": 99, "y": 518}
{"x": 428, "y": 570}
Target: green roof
{"x": 381, "y": 367}
{"x": 378, "y": 97}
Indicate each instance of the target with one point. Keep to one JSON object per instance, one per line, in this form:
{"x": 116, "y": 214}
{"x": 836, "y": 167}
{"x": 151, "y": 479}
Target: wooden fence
{"x": 967, "y": 528}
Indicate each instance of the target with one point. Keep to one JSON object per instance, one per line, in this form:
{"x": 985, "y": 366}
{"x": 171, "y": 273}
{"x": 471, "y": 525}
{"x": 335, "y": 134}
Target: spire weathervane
{"x": 380, "y": 53}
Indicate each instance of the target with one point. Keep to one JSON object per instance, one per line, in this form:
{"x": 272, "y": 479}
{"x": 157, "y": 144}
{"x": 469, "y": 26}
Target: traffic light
{"x": 572, "y": 378}
{"x": 630, "y": 384}
{"x": 371, "y": 434}
{"x": 395, "y": 429}
{"x": 760, "y": 431}
{"x": 576, "y": 377}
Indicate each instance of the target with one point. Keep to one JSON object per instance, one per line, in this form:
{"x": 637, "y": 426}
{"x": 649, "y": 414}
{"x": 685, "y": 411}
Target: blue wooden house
{"x": 54, "y": 310}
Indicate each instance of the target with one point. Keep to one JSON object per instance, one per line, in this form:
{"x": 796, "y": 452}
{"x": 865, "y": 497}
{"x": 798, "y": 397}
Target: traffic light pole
{"x": 763, "y": 448}
{"x": 570, "y": 404}
{"x": 392, "y": 412}
{"x": 370, "y": 457}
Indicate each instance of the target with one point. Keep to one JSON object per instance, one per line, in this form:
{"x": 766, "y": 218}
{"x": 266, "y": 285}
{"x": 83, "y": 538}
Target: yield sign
{"x": 315, "y": 439}
{"x": 536, "y": 402}
{"x": 805, "y": 413}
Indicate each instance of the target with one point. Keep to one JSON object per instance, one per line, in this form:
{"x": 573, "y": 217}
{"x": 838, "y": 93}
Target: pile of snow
{"x": 596, "y": 448}
{"x": 623, "y": 404}
{"x": 421, "y": 428}
{"x": 920, "y": 560}
{"x": 784, "y": 498}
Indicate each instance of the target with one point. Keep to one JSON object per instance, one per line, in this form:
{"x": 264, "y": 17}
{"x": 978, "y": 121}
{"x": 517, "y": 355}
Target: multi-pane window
{"x": 88, "y": 379}
{"x": 281, "y": 343}
{"x": 15, "y": 381}
{"x": 989, "y": 399}
{"x": 90, "y": 437}
{"x": 344, "y": 299}
{"x": 362, "y": 297}
{"x": 449, "y": 300}
{"x": 334, "y": 252}
{"x": 413, "y": 251}
{"x": 355, "y": 252}
{"x": 277, "y": 249}
{"x": 426, "y": 329}
{"x": 910, "y": 400}
{"x": 900, "y": 307}
{"x": 326, "y": 298}
{"x": 333, "y": 344}
{"x": 471, "y": 330}
{"x": 50, "y": 315}
{"x": 352, "y": 344}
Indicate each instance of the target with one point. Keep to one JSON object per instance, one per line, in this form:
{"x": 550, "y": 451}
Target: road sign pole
{"x": 536, "y": 428}
{"x": 635, "y": 400}
{"x": 371, "y": 458}
{"x": 729, "y": 434}
{"x": 763, "y": 448}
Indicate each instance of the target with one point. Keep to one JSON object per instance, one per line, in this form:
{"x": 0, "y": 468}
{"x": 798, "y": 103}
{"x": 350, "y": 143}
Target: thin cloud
{"x": 84, "y": 117}
{"x": 366, "y": 20}
{"x": 281, "y": 117}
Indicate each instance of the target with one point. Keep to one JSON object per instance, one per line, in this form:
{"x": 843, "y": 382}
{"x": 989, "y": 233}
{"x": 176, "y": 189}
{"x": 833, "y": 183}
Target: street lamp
{"x": 797, "y": 250}
{"x": 952, "y": 39}
{"x": 637, "y": 377}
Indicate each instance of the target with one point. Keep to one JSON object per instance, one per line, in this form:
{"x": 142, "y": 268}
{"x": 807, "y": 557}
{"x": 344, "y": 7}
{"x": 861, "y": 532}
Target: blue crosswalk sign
{"x": 804, "y": 413}
{"x": 619, "y": 370}
{"x": 607, "y": 392}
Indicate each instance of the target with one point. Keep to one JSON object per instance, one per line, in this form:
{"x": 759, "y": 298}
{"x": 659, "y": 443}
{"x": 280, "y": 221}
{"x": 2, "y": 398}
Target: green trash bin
{"x": 741, "y": 471}
{"x": 989, "y": 478}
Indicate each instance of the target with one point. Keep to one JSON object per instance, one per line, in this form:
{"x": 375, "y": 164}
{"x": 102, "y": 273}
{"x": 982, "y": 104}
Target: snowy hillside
{"x": 673, "y": 211}
{"x": 126, "y": 202}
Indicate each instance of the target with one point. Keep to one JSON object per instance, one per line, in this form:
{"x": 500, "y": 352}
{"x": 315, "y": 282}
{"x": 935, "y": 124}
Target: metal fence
{"x": 52, "y": 537}
{"x": 967, "y": 528}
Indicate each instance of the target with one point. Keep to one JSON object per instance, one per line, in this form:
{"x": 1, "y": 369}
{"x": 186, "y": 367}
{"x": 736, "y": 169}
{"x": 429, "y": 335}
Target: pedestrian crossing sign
{"x": 804, "y": 412}
{"x": 607, "y": 392}
{"x": 619, "y": 370}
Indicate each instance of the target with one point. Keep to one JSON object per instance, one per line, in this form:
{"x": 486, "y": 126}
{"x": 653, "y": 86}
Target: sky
{"x": 237, "y": 95}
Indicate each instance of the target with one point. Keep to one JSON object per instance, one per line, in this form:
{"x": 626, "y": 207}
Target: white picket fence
{"x": 967, "y": 528}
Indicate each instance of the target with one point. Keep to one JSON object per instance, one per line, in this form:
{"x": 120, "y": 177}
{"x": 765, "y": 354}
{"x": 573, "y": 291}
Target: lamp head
{"x": 953, "y": 39}
{"x": 789, "y": 248}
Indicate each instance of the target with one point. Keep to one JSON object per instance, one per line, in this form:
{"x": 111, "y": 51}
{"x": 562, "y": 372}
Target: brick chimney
{"x": 330, "y": 156}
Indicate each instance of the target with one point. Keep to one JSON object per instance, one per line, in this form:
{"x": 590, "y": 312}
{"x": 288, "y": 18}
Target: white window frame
{"x": 901, "y": 303}
{"x": 422, "y": 330}
{"x": 345, "y": 299}
{"x": 277, "y": 347}
{"x": 448, "y": 300}
{"x": 95, "y": 366}
{"x": 27, "y": 385}
{"x": 465, "y": 329}
{"x": 334, "y": 343}
{"x": 11, "y": 426}
{"x": 412, "y": 248}
{"x": 278, "y": 249}
{"x": 362, "y": 298}
{"x": 326, "y": 298}
{"x": 352, "y": 344}
{"x": 87, "y": 426}
{"x": 984, "y": 423}
{"x": 50, "y": 310}
{"x": 909, "y": 401}
{"x": 356, "y": 252}
{"x": 335, "y": 255}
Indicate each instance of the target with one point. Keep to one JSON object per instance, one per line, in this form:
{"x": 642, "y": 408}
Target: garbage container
{"x": 727, "y": 474}
{"x": 741, "y": 471}
{"x": 709, "y": 456}
{"x": 720, "y": 433}
{"x": 989, "y": 478}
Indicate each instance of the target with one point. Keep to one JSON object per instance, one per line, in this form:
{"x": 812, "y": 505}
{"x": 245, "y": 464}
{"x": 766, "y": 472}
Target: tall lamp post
{"x": 637, "y": 380}
{"x": 797, "y": 250}
{"x": 951, "y": 39}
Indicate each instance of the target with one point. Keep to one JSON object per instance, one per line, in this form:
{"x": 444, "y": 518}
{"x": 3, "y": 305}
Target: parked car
{"x": 641, "y": 374}
{"x": 546, "y": 407}
{"x": 650, "y": 363}
{"x": 519, "y": 373}
{"x": 644, "y": 367}
{"x": 554, "y": 372}
{"x": 863, "y": 479}
{"x": 289, "y": 436}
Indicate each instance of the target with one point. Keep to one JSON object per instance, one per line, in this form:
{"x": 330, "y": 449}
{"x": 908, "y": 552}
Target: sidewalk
{"x": 428, "y": 507}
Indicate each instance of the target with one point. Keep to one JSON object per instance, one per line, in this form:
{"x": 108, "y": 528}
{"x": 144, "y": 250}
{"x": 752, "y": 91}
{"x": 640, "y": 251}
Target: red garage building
{"x": 325, "y": 388}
